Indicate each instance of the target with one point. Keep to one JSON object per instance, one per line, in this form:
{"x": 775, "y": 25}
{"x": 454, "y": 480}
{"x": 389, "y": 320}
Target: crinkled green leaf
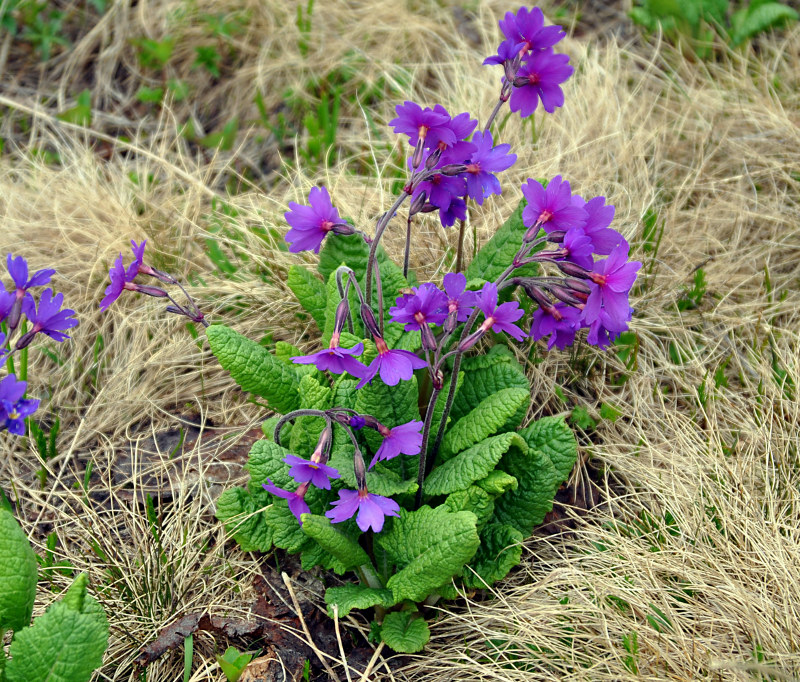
{"x": 310, "y": 292}
{"x": 265, "y": 461}
{"x": 500, "y": 551}
{"x": 334, "y": 541}
{"x": 380, "y": 480}
{"x": 430, "y": 546}
{"x": 254, "y": 368}
{"x": 245, "y": 520}
{"x": 18, "y": 574}
{"x": 65, "y": 644}
{"x": 760, "y": 18}
{"x": 306, "y": 430}
{"x": 473, "y": 499}
{"x": 405, "y": 632}
{"x": 349, "y": 249}
{"x": 525, "y": 507}
{"x": 497, "y": 482}
{"x": 396, "y": 337}
{"x": 555, "y": 439}
{"x": 472, "y": 465}
{"x": 349, "y": 597}
{"x": 287, "y": 533}
{"x": 438, "y": 409}
{"x": 484, "y": 420}
{"x": 481, "y": 382}
{"x": 498, "y": 253}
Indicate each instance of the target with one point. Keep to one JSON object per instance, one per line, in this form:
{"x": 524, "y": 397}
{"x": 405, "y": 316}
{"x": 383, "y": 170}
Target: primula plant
{"x": 398, "y": 452}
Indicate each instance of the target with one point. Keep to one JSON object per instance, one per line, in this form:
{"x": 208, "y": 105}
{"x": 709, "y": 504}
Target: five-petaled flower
{"x": 539, "y": 80}
{"x": 121, "y": 277}
{"x": 551, "y": 208}
{"x": 311, "y": 224}
{"x": 47, "y": 318}
{"x": 13, "y": 407}
{"x": 371, "y": 509}
{"x": 405, "y": 439}
{"x": 392, "y": 365}
{"x": 308, "y": 471}
{"x": 335, "y": 359}
{"x": 499, "y": 318}
{"x": 297, "y": 505}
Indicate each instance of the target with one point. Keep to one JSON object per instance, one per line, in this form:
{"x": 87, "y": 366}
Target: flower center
{"x": 597, "y": 278}
{"x": 326, "y": 225}
{"x": 13, "y": 414}
{"x": 533, "y": 78}
{"x": 473, "y": 168}
{"x": 380, "y": 344}
{"x": 487, "y": 323}
{"x": 545, "y": 216}
{"x": 419, "y": 317}
{"x": 422, "y": 132}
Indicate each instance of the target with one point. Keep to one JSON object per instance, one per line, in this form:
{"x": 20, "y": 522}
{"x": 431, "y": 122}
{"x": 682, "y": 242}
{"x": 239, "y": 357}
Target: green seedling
{"x": 691, "y": 296}
{"x": 42, "y": 29}
{"x": 233, "y": 663}
{"x": 81, "y": 113}
{"x": 209, "y": 58}
{"x": 154, "y": 54}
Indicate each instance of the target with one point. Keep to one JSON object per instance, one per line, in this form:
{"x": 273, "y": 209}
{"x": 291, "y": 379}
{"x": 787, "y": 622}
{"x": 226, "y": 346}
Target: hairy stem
{"x": 373, "y": 248}
{"x": 423, "y": 453}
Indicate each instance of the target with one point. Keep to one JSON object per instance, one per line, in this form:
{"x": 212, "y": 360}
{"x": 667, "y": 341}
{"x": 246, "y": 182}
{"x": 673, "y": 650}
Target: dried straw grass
{"x": 712, "y": 148}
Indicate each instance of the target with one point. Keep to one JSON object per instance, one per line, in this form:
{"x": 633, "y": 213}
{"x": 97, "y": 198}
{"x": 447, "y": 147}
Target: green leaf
{"x": 351, "y": 597}
{"x": 334, "y": 541}
{"x": 254, "y": 368}
{"x": 484, "y": 419}
{"x": 306, "y": 430}
{"x": 473, "y": 499}
{"x": 438, "y": 409}
{"x": 430, "y": 546}
{"x": 18, "y": 574}
{"x": 380, "y": 480}
{"x": 287, "y": 533}
{"x": 498, "y": 253}
{"x": 81, "y": 113}
{"x": 474, "y": 464}
{"x": 244, "y": 519}
{"x": 65, "y": 644}
{"x": 310, "y": 291}
{"x": 762, "y": 18}
{"x": 232, "y": 663}
{"x": 265, "y": 461}
{"x": 500, "y": 551}
{"x": 498, "y": 482}
{"x": 555, "y": 439}
{"x": 286, "y": 351}
{"x": 405, "y": 632}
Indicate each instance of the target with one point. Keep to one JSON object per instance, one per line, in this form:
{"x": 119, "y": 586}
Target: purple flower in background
{"x": 600, "y": 215}
{"x": 3, "y": 350}
{"x": 560, "y": 322}
{"x": 405, "y": 439}
{"x": 13, "y": 407}
{"x": 297, "y": 505}
{"x": 441, "y": 189}
{"x": 551, "y": 207}
{"x": 393, "y": 365}
{"x": 578, "y": 247}
{"x": 459, "y": 300}
{"x": 311, "y": 224}
{"x": 335, "y": 359}
{"x": 427, "y": 305}
{"x": 487, "y": 160}
{"x": 120, "y": 276}
{"x": 305, "y": 471}
{"x": 499, "y": 318}
{"x": 538, "y": 80}
{"x": 457, "y": 210}
{"x": 611, "y": 280}
{"x": 527, "y": 27}
{"x": 428, "y": 125}
{"x": 48, "y": 318}
{"x": 371, "y": 509}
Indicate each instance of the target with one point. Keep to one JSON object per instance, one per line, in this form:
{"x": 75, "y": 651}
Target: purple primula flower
{"x": 552, "y": 208}
{"x": 393, "y": 365}
{"x": 18, "y": 269}
{"x": 459, "y": 300}
{"x": 404, "y": 439}
{"x": 578, "y": 247}
{"x": 462, "y": 126}
{"x": 306, "y": 470}
{"x": 560, "y": 322}
{"x": 538, "y": 80}
{"x": 120, "y": 277}
{"x": 335, "y": 359}
{"x": 428, "y": 305}
{"x": 357, "y": 422}
{"x": 485, "y": 161}
{"x": 457, "y": 210}
{"x": 605, "y": 329}
{"x": 499, "y": 318}
{"x": 371, "y": 509}
{"x": 13, "y": 407}
{"x": 311, "y": 224}
{"x": 441, "y": 189}
{"x": 7, "y": 299}
{"x": 506, "y": 52}
{"x": 527, "y": 27}
{"x": 428, "y": 125}
{"x": 297, "y": 505}
{"x": 611, "y": 279}
{"x": 600, "y": 215}
{"x": 48, "y": 318}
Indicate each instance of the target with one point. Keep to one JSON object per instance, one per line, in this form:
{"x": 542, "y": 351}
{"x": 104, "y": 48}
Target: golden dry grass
{"x": 707, "y": 582}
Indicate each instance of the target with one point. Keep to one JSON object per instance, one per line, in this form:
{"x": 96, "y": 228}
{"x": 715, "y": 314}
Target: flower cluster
{"x": 20, "y": 312}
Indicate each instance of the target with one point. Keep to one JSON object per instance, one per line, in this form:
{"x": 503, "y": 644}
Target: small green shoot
{"x": 209, "y": 58}
{"x": 631, "y": 644}
{"x": 582, "y": 419}
{"x": 154, "y": 54}
{"x": 304, "y": 26}
{"x": 233, "y": 663}
{"x": 691, "y": 297}
{"x": 43, "y": 31}
{"x": 188, "y": 654}
{"x": 150, "y": 95}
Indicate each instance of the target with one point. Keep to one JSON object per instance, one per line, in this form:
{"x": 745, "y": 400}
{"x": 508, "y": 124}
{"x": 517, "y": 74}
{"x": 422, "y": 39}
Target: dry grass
{"x": 707, "y": 584}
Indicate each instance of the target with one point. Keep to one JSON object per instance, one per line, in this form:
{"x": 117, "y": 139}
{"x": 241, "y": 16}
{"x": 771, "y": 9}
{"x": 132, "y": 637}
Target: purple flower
{"x": 428, "y": 125}
{"x": 506, "y": 52}
{"x": 462, "y": 126}
{"x": 459, "y": 300}
{"x": 393, "y": 365}
{"x": 560, "y": 321}
{"x": 3, "y": 350}
{"x": 604, "y": 239}
{"x": 120, "y": 276}
{"x": 297, "y": 505}
{"x": 13, "y": 407}
{"x": 527, "y": 27}
{"x": 357, "y": 422}
{"x": 335, "y": 359}
{"x": 311, "y": 224}
{"x": 305, "y": 470}
{"x": 457, "y": 210}
{"x": 605, "y": 329}
{"x": 371, "y": 509}
{"x": 487, "y": 160}
{"x": 18, "y": 269}
{"x": 441, "y": 189}
{"x": 499, "y": 318}
{"x": 427, "y": 305}
{"x": 7, "y": 299}
{"x": 551, "y": 207}
{"x": 538, "y": 80}
{"x": 405, "y": 439}
{"x": 578, "y": 247}
{"x": 611, "y": 280}
{"x": 48, "y": 318}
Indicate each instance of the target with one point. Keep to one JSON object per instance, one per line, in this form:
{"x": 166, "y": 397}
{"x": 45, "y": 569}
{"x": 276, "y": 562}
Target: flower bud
{"x": 342, "y": 310}
{"x": 537, "y": 295}
{"x": 433, "y": 159}
{"x": 357, "y": 422}
{"x": 418, "y": 204}
{"x": 417, "y": 158}
{"x": 520, "y": 81}
{"x": 452, "y": 169}
{"x": 532, "y": 232}
{"x": 360, "y": 470}
{"x": 148, "y": 291}
{"x": 565, "y": 295}
{"x": 577, "y": 285}
{"x": 471, "y": 340}
{"x": 556, "y": 236}
{"x": 369, "y": 320}
{"x": 343, "y": 228}
{"x": 570, "y": 268}
{"x": 428, "y": 339}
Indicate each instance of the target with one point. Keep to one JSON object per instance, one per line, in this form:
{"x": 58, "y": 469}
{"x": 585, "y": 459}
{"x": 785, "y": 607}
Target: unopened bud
{"x": 537, "y": 295}
{"x": 520, "y": 81}
{"x": 532, "y": 233}
{"x": 451, "y": 321}
{"x": 369, "y": 320}
{"x": 433, "y": 159}
{"x": 565, "y": 295}
{"x": 417, "y": 158}
{"x": 23, "y": 341}
{"x": 438, "y": 380}
{"x": 149, "y": 291}
{"x": 429, "y": 208}
{"x": 452, "y": 169}
{"x": 418, "y": 203}
{"x": 320, "y": 454}
{"x": 556, "y": 236}
{"x": 573, "y": 269}
{"x": 471, "y": 340}
{"x": 360, "y": 470}
{"x": 342, "y": 311}
{"x": 577, "y": 285}
{"x": 428, "y": 339}
{"x": 343, "y": 228}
